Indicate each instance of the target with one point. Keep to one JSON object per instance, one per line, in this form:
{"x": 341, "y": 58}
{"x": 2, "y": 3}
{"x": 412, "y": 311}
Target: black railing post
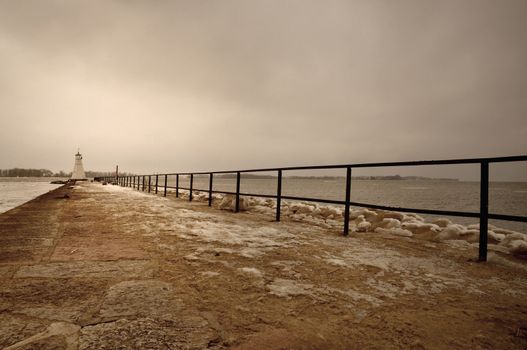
{"x": 143, "y": 183}
{"x": 165, "y": 190}
{"x": 484, "y": 211}
{"x": 157, "y": 180}
{"x": 237, "y": 208}
{"x": 210, "y": 189}
{"x": 191, "y": 183}
{"x": 347, "y": 205}
{"x": 279, "y": 195}
{"x": 138, "y": 183}
{"x": 149, "y": 183}
{"x": 177, "y": 185}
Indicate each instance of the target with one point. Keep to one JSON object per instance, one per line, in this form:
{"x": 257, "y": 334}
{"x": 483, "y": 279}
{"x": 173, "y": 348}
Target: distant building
{"x": 78, "y": 169}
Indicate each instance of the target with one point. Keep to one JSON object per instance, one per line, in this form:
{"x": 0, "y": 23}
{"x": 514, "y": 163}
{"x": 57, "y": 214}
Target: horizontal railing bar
{"x": 198, "y": 190}
{"x": 502, "y": 217}
{"x": 258, "y": 195}
{"x": 318, "y": 200}
{"x": 418, "y": 211}
{"x": 224, "y": 192}
{"x": 187, "y": 188}
{"x": 364, "y": 165}
{"x": 508, "y": 217}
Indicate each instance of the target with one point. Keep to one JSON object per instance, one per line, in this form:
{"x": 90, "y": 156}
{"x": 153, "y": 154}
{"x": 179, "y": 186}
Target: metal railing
{"x": 144, "y": 182}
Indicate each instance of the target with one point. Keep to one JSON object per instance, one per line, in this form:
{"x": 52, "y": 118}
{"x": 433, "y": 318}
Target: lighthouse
{"x": 78, "y": 169}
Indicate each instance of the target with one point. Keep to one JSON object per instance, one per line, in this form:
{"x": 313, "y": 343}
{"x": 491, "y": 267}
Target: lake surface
{"x": 17, "y": 191}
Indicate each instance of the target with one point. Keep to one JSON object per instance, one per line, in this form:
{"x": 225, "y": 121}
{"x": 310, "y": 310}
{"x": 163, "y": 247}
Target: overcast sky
{"x": 212, "y": 85}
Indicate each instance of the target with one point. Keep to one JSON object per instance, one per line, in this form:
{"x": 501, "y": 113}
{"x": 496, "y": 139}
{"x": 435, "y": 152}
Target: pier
{"x": 93, "y": 266}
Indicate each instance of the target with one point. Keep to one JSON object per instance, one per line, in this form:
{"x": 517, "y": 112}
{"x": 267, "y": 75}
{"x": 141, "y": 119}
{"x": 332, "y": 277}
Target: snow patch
{"x": 209, "y": 273}
{"x": 286, "y": 288}
{"x": 251, "y": 271}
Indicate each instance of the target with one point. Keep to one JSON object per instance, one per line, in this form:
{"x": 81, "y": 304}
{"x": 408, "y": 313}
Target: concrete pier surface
{"x": 105, "y": 267}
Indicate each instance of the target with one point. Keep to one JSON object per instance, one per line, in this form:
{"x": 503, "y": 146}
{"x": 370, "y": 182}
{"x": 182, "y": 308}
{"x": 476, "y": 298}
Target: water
{"x": 17, "y": 191}
{"x": 504, "y": 197}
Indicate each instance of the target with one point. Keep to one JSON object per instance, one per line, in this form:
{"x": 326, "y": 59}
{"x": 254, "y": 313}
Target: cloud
{"x": 184, "y": 85}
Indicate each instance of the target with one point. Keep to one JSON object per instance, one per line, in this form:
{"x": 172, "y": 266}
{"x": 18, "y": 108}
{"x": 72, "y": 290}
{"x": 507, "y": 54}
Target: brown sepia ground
{"x": 105, "y": 267}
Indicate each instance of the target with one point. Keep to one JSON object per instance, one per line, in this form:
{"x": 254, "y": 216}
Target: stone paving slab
{"x": 97, "y": 248}
{"x": 21, "y": 255}
{"x": 148, "y": 333}
{"x": 99, "y": 269}
{"x": 142, "y": 298}
{"x": 18, "y": 242}
{"x": 16, "y": 328}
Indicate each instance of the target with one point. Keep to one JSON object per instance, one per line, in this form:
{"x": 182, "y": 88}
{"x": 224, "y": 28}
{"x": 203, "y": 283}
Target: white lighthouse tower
{"x": 78, "y": 169}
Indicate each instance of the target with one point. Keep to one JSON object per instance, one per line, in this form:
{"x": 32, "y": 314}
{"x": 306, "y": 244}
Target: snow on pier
{"x": 98, "y": 267}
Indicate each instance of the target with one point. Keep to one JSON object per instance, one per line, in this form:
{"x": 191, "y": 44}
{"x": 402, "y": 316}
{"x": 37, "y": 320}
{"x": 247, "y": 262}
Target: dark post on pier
{"x": 347, "y": 204}
{"x": 484, "y": 211}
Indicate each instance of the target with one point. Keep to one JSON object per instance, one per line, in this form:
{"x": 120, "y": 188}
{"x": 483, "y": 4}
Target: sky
{"x": 168, "y": 86}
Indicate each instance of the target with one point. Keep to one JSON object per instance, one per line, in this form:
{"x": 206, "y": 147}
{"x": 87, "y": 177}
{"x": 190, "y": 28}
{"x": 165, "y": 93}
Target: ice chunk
{"x": 394, "y": 231}
{"x": 388, "y": 223}
{"x": 442, "y": 222}
{"x": 363, "y": 226}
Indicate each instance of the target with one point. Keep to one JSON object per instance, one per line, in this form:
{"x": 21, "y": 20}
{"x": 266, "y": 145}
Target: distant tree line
{"x": 20, "y": 172}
